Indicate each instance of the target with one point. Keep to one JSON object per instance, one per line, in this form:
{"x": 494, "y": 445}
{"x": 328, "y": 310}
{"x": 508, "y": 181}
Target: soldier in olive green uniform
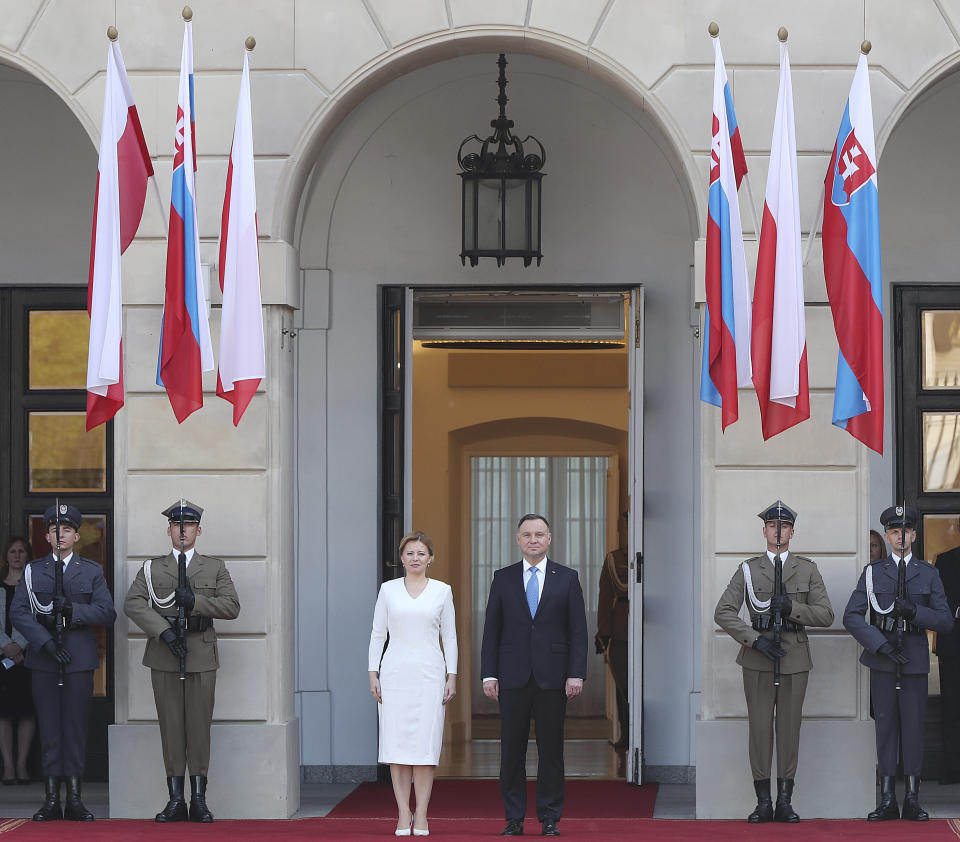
{"x": 802, "y": 602}
{"x": 184, "y": 707}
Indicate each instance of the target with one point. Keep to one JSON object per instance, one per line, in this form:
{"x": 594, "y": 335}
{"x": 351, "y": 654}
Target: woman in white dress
{"x": 413, "y": 679}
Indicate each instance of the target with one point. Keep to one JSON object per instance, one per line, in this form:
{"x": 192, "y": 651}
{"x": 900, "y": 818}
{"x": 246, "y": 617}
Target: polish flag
{"x": 123, "y": 171}
{"x": 242, "y": 365}
{"x": 185, "y": 346}
{"x": 779, "y": 346}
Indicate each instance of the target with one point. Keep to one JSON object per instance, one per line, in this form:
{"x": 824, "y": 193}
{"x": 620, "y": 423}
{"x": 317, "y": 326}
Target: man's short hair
{"x": 532, "y": 516}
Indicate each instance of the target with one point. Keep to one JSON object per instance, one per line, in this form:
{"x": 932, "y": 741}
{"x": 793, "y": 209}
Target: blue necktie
{"x": 533, "y": 592}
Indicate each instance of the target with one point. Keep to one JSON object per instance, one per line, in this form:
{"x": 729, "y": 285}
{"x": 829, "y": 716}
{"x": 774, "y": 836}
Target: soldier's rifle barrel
{"x": 777, "y": 587}
{"x": 181, "y": 612}
{"x": 58, "y": 595}
{"x": 901, "y": 593}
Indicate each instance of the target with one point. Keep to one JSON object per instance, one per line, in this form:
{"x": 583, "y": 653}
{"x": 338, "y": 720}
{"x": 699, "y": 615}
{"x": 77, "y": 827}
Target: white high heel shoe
{"x": 405, "y": 831}
{"x": 418, "y": 832}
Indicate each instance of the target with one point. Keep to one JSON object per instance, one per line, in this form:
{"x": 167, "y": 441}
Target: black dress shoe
{"x": 23, "y": 782}
{"x": 888, "y": 809}
{"x": 51, "y": 809}
{"x": 8, "y": 781}
{"x": 514, "y": 828}
{"x": 74, "y": 810}
{"x": 550, "y": 829}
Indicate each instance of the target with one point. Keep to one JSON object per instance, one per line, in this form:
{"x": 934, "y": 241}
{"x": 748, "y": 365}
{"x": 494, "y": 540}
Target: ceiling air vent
{"x": 512, "y": 318}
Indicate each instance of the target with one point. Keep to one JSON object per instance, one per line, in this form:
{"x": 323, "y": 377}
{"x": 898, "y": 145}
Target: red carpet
{"x": 480, "y": 799}
{"x": 379, "y": 830}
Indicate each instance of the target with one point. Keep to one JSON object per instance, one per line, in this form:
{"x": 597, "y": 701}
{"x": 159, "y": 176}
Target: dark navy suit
{"x": 948, "y": 653}
{"x": 532, "y": 658}
{"x": 62, "y": 711}
{"x": 899, "y": 714}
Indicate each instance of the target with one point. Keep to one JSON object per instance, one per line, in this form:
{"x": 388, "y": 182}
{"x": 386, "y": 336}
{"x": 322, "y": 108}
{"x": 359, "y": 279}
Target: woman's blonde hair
{"x": 416, "y": 535}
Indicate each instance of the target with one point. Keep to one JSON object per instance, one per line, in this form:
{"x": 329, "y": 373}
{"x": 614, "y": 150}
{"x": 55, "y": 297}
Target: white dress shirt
{"x": 188, "y": 553}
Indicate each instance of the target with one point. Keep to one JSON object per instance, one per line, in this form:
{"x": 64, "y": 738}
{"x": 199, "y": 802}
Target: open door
{"x": 635, "y": 544}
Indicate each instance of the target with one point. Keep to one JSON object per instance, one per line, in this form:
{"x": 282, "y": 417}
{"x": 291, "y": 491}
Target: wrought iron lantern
{"x": 501, "y": 191}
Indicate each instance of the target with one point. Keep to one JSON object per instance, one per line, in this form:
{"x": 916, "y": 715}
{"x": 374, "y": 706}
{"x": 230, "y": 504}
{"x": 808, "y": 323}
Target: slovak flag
{"x": 852, "y": 269}
{"x": 122, "y": 175}
{"x": 242, "y": 365}
{"x": 779, "y": 345}
{"x": 185, "y": 347}
{"x": 726, "y": 340}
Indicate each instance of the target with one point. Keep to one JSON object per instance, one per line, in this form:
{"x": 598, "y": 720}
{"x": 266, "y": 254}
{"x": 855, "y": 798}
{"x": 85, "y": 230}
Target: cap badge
{"x": 63, "y": 509}
{"x": 899, "y": 511}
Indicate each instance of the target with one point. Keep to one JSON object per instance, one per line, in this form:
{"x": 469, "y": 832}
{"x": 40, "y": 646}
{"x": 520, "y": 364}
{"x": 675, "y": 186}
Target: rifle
{"x": 182, "y": 583}
{"x": 901, "y": 593}
{"x": 777, "y": 588}
{"x": 57, "y": 595}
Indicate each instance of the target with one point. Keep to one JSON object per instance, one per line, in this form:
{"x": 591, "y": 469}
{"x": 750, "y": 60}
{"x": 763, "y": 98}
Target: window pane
{"x": 941, "y": 349}
{"x": 941, "y": 455}
{"x": 58, "y": 349}
{"x": 92, "y": 545}
{"x": 63, "y": 456}
{"x": 940, "y": 533}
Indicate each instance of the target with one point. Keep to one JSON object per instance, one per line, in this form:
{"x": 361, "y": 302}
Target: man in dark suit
{"x": 62, "y": 711}
{"x": 184, "y": 708}
{"x": 872, "y": 615}
{"x": 948, "y": 654}
{"x": 533, "y": 658}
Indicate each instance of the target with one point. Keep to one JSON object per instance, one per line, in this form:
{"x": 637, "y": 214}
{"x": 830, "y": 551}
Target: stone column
{"x": 244, "y": 479}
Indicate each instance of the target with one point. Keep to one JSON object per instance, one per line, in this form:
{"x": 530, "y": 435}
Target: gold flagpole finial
{"x": 713, "y": 29}
{"x": 865, "y": 48}
{"x": 782, "y": 34}
{"x": 112, "y": 33}
{"x": 187, "y": 14}
{"x": 250, "y": 43}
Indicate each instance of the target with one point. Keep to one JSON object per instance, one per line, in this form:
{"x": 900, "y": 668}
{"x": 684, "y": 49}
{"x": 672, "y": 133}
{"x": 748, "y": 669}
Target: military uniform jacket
{"x": 85, "y": 587}
{"x": 215, "y": 595}
{"x": 924, "y": 589}
{"x": 811, "y": 607}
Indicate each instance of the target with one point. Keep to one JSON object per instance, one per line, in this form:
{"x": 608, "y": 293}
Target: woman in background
{"x": 413, "y": 679}
{"x": 878, "y": 549}
{"x": 16, "y": 701}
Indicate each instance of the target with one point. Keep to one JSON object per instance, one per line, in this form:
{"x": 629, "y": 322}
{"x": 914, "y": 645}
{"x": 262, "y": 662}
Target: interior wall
{"x": 383, "y": 208}
{"x": 50, "y": 165}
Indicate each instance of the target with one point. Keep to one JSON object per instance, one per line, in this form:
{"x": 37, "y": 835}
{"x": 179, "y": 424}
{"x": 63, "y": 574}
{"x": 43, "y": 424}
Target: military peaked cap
{"x": 899, "y": 516}
{"x": 778, "y": 510}
{"x": 70, "y": 515}
{"x": 191, "y": 512}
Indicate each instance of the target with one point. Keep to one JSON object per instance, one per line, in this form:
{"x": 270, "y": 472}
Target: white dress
{"x": 413, "y": 670}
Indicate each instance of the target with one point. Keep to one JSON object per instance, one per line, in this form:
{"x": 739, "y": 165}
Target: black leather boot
{"x": 911, "y": 801}
{"x": 888, "y": 808}
{"x": 51, "y": 809}
{"x": 784, "y": 811}
{"x": 764, "y": 811}
{"x": 74, "y": 809}
{"x": 176, "y": 809}
{"x": 198, "y": 800}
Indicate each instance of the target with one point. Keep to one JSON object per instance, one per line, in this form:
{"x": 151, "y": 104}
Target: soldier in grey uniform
{"x": 62, "y": 711}
{"x": 871, "y": 617}
{"x": 184, "y": 707}
{"x": 802, "y": 602}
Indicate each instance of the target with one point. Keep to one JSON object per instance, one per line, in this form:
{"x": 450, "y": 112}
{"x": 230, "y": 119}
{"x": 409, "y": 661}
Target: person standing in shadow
{"x": 613, "y": 621}
{"x": 948, "y": 655}
{"x": 533, "y": 658}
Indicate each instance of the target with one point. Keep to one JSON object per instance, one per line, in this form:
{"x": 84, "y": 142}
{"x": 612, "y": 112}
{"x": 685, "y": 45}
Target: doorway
{"x": 521, "y": 400}
{"x": 43, "y": 335}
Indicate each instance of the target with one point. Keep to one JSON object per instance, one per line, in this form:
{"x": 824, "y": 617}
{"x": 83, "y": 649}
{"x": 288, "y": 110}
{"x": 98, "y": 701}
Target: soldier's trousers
{"x": 770, "y": 707}
{"x": 62, "y": 720}
{"x": 184, "y": 710}
{"x": 899, "y": 720}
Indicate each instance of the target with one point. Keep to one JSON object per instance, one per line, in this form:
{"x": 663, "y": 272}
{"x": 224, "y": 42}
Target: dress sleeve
{"x": 378, "y": 636}
{"x": 448, "y": 632}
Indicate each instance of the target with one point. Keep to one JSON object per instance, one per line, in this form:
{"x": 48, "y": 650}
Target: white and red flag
{"x": 779, "y": 346}
{"x": 242, "y": 365}
{"x": 123, "y": 171}
{"x": 185, "y": 346}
